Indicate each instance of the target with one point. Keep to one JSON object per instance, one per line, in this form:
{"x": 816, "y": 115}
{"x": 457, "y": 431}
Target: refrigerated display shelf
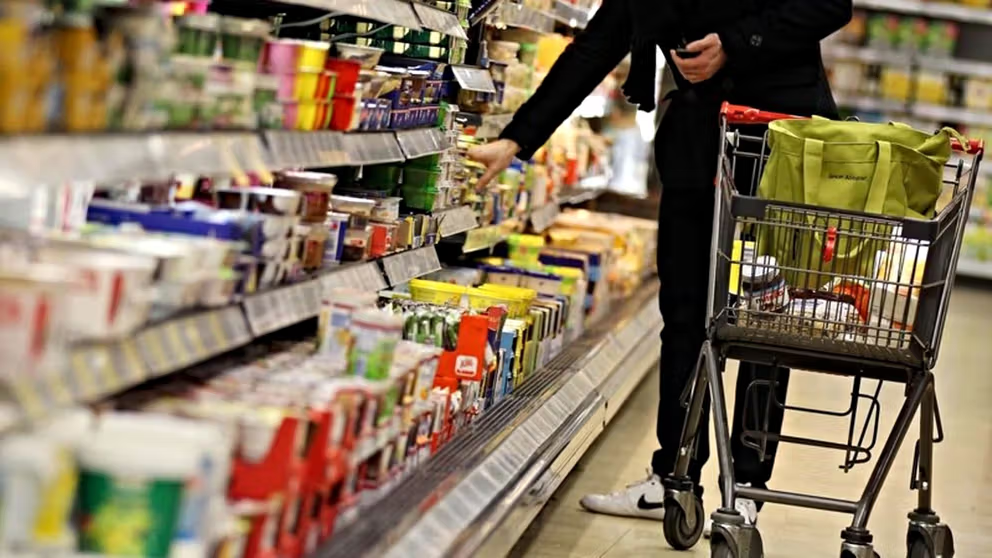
{"x": 510, "y": 460}
{"x": 975, "y": 269}
{"x": 110, "y": 157}
{"x": 95, "y": 371}
{"x": 937, "y": 10}
{"x": 521, "y": 16}
{"x": 571, "y": 15}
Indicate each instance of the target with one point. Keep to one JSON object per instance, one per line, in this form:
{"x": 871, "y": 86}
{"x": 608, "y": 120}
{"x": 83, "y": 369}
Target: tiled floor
{"x": 963, "y": 465}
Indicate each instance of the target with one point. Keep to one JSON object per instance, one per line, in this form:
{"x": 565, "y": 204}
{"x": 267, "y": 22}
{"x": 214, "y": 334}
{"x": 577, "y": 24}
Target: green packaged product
{"x": 197, "y": 34}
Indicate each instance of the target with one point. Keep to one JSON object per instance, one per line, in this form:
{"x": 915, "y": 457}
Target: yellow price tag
{"x": 158, "y": 360}
{"x": 180, "y": 351}
{"x": 217, "y": 329}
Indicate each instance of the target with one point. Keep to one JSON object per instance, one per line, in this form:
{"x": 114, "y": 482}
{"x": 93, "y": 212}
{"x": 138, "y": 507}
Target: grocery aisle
{"x": 962, "y": 488}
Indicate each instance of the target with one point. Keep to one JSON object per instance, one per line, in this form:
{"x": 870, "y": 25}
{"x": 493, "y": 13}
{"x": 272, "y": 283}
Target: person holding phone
{"x": 759, "y": 53}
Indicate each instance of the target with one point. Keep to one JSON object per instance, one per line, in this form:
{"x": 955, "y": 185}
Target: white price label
{"x": 411, "y": 264}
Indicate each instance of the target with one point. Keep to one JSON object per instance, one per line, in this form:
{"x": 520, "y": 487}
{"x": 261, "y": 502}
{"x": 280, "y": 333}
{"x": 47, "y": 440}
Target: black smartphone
{"x": 686, "y": 54}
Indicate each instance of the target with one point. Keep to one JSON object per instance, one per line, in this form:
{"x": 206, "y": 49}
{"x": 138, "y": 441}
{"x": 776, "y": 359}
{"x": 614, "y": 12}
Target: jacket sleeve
{"x": 584, "y": 65}
{"x": 781, "y": 29}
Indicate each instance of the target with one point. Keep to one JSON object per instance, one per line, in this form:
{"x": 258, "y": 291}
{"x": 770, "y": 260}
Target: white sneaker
{"x": 644, "y": 499}
{"x": 745, "y": 507}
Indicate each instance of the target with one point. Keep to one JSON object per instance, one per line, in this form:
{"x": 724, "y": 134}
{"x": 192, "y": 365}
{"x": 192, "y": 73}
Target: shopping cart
{"x": 877, "y": 314}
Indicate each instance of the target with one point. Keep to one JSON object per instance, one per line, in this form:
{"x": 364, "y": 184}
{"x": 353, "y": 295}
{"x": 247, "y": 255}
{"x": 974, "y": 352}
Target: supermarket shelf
{"x": 571, "y": 15}
{"x": 975, "y": 269}
{"x": 541, "y": 218}
{"x": 105, "y": 158}
{"x": 95, "y": 371}
{"x": 440, "y": 21}
{"x": 28, "y": 160}
{"x": 523, "y": 17}
{"x": 397, "y": 12}
{"x": 456, "y": 221}
{"x": 487, "y": 126}
{"x": 936, "y": 10}
{"x": 952, "y": 114}
{"x": 837, "y": 51}
{"x": 478, "y": 494}
{"x": 869, "y": 104}
{"x": 868, "y": 55}
{"x": 420, "y": 143}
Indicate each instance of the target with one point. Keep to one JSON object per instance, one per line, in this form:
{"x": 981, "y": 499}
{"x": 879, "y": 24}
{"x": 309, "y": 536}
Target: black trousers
{"x": 686, "y": 151}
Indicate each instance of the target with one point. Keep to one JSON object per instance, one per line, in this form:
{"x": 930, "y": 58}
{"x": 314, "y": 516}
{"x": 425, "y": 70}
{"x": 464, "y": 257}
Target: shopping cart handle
{"x": 737, "y": 114}
{"x": 974, "y": 146}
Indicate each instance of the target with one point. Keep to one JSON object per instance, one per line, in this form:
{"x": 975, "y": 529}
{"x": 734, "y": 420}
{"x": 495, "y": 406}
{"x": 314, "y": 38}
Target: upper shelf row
{"x": 107, "y": 158}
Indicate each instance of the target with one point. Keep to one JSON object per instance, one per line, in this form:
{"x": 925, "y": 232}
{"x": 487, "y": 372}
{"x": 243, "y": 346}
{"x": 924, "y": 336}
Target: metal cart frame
{"x": 826, "y": 340}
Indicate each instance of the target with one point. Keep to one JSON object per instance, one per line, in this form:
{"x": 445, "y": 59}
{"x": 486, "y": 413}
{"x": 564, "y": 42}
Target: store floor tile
{"x": 963, "y": 464}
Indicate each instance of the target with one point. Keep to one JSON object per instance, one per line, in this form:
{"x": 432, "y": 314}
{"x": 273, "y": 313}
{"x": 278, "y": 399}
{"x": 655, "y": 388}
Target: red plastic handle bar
{"x": 738, "y": 114}
{"x": 973, "y": 147}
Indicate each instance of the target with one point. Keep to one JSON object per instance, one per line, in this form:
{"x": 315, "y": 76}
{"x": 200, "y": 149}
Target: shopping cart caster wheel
{"x": 682, "y": 530}
{"x": 929, "y": 539}
{"x": 732, "y": 538}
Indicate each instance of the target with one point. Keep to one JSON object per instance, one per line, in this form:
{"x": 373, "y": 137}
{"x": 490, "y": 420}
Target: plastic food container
{"x": 280, "y": 56}
{"x": 436, "y": 292}
{"x": 313, "y": 55}
{"x": 307, "y": 115}
{"x": 525, "y": 247}
{"x": 353, "y": 206}
{"x": 376, "y": 334}
{"x": 528, "y": 54}
{"x": 306, "y": 85}
{"x": 242, "y": 40}
{"x": 387, "y": 209}
{"x": 382, "y": 177}
{"x": 346, "y": 115}
{"x": 421, "y": 178}
{"x": 503, "y": 51}
{"x": 367, "y": 56}
{"x": 347, "y": 72}
{"x": 197, "y": 34}
{"x": 314, "y": 187}
{"x": 424, "y": 199}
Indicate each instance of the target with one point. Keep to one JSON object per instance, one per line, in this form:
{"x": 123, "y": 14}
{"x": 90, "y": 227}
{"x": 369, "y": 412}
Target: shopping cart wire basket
{"x": 853, "y": 294}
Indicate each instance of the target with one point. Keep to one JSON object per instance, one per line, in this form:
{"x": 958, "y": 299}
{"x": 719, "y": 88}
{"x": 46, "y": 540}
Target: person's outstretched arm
{"x": 584, "y": 65}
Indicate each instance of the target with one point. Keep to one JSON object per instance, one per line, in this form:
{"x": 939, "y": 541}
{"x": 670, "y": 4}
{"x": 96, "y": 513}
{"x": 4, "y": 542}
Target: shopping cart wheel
{"x": 681, "y": 531}
{"x": 928, "y": 538}
{"x": 721, "y": 549}
{"x": 732, "y": 538}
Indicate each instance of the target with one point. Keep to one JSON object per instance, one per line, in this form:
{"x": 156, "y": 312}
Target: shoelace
{"x": 650, "y": 477}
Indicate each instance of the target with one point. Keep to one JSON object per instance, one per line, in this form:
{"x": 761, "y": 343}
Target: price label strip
{"x": 396, "y": 12}
{"x": 411, "y": 264}
{"x": 483, "y": 238}
{"x": 371, "y": 148}
{"x": 332, "y": 151}
{"x": 544, "y": 216}
{"x": 457, "y": 220}
{"x": 420, "y": 143}
{"x": 365, "y": 277}
{"x": 474, "y": 78}
{"x": 439, "y": 20}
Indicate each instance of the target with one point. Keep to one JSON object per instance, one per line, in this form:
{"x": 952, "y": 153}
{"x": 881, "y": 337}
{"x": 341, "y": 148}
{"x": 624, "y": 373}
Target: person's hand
{"x": 701, "y": 68}
{"x": 496, "y": 156}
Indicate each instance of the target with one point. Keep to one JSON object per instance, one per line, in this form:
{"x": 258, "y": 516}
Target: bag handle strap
{"x": 877, "y": 191}
{"x": 813, "y": 168}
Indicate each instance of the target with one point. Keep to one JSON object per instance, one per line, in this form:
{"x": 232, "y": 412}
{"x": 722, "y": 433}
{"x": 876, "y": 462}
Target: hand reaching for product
{"x": 706, "y": 63}
{"x": 496, "y": 156}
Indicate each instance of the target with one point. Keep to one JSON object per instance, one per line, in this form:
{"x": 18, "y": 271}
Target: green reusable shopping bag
{"x": 885, "y": 169}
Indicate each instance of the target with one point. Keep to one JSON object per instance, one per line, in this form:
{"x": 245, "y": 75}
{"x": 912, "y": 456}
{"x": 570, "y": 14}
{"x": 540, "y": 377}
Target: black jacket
{"x": 772, "y": 47}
